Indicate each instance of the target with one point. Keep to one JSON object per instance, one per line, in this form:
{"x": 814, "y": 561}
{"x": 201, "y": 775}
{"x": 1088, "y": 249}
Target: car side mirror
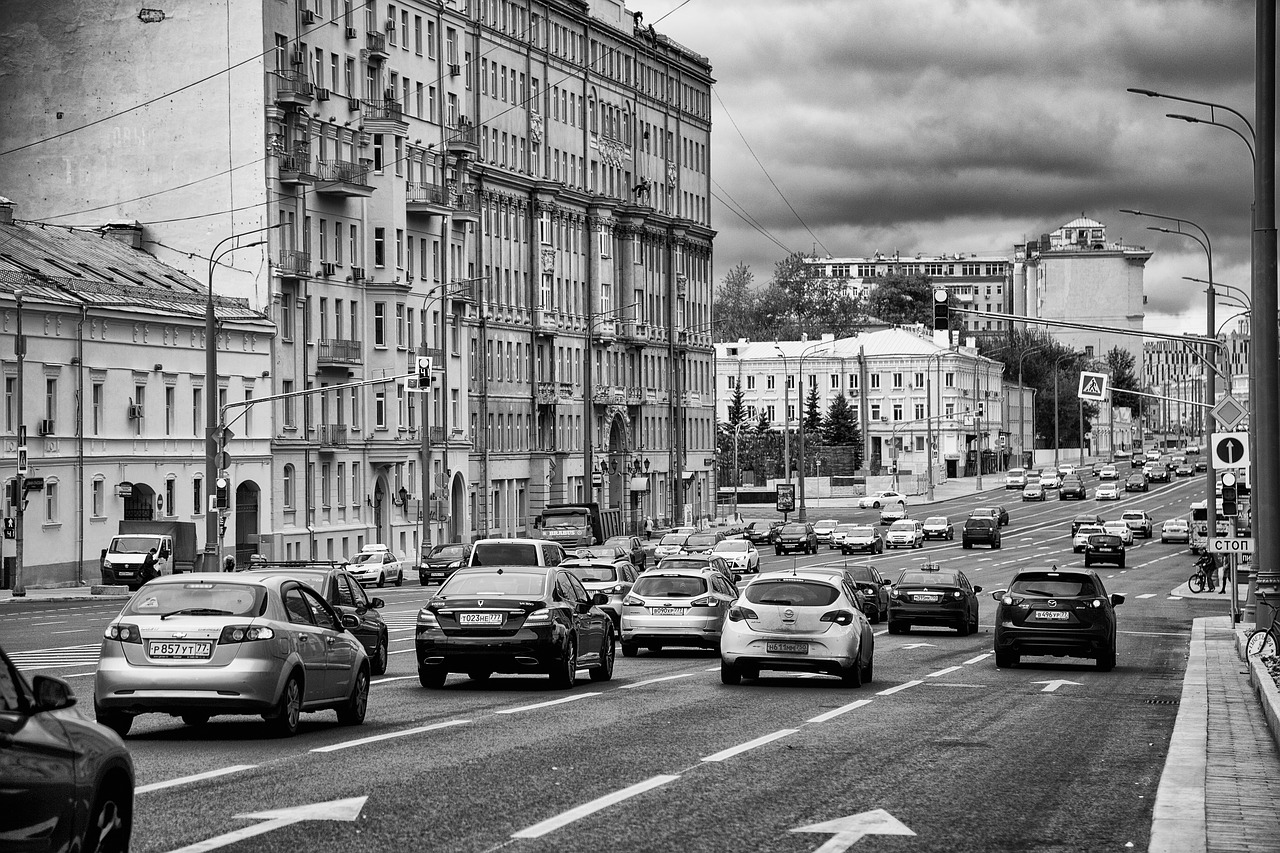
{"x": 52, "y": 693}
{"x": 977, "y": 589}
{"x": 599, "y": 598}
{"x": 376, "y": 603}
{"x": 349, "y": 621}
{"x": 1116, "y": 598}
{"x": 998, "y": 594}
{"x": 585, "y": 604}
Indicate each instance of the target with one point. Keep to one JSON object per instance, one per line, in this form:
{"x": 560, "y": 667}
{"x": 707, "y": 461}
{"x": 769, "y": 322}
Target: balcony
{"x": 341, "y": 179}
{"x": 465, "y": 291}
{"x": 429, "y": 199}
{"x": 437, "y": 435}
{"x": 463, "y": 138}
{"x": 293, "y": 264}
{"x": 635, "y": 395}
{"x": 335, "y": 352}
{"x": 464, "y": 203}
{"x": 332, "y": 436}
{"x": 606, "y": 394}
{"x": 605, "y": 330}
{"x": 292, "y": 88}
{"x": 545, "y": 321}
{"x": 295, "y": 167}
{"x": 376, "y": 45}
{"x": 383, "y": 117}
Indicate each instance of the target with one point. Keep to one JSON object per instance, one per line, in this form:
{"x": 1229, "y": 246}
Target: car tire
{"x": 951, "y": 535}
{"x": 963, "y": 628}
{"x": 875, "y": 504}
{"x": 973, "y": 626}
{"x": 118, "y": 721}
{"x": 288, "y": 710}
{"x": 852, "y": 675}
{"x": 1121, "y": 563}
{"x": 630, "y": 650}
{"x": 422, "y": 581}
{"x": 564, "y": 672}
{"x": 351, "y": 712}
{"x": 1006, "y": 660}
{"x": 869, "y": 670}
{"x": 778, "y": 552}
{"x": 378, "y": 660}
{"x": 604, "y": 672}
{"x": 966, "y": 545}
{"x": 1087, "y": 561}
{"x": 729, "y": 673}
{"x": 1106, "y": 660}
{"x": 432, "y": 677}
{"x": 382, "y": 580}
{"x": 899, "y": 627}
{"x": 195, "y": 719}
{"x": 995, "y": 546}
{"x": 400, "y": 577}
{"x": 111, "y": 821}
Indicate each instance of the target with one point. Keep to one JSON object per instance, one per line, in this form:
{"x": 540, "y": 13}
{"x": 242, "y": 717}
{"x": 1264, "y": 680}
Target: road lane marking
{"x": 655, "y": 681}
{"x": 749, "y": 745}
{"x": 551, "y": 824}
{"x": 393, "y": 678}
{"x": 400, "y": 651}
{"x": 1147, "y": 595}
{"x": 546, "y": 704}
{"x": 347, "y": 744}
{"x": 831, "y": 715}
{"x": 979, "y": 658}
{"x": 900, "y": 687}
{"x": 198, "y": 777}
{"x": 942, "y": 672}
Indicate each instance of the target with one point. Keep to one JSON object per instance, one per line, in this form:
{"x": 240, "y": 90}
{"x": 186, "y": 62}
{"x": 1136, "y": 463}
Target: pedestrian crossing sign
{"x": 1093, "y": 386}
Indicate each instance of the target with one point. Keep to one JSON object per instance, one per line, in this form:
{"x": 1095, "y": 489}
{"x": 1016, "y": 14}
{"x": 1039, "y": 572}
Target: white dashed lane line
{"x": 749, "y": 745}
{"x": 551, "y": 824}
{"x": 187, "y": 780}
{"x": 904, "y": 686}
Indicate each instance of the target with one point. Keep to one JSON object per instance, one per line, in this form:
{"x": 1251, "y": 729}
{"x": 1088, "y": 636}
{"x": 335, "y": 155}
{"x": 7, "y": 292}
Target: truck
{"x": 577, "y": 525}
{"x": 174, "y": 543}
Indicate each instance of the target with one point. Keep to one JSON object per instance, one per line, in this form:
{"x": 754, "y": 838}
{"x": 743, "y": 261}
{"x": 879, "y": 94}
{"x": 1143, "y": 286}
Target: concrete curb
{"x": 1178, "y": 818}
{"x": 1264, "y": 687}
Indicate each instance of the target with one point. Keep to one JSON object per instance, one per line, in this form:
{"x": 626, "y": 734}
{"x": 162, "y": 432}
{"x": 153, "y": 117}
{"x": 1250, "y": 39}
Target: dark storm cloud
{"x": 935, "y": 126}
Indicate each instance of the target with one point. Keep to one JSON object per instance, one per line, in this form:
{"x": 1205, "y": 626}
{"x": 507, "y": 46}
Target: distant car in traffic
{"x": 1108, "y": 491}
{"x": 1175, "y": 530}
{"x": 889, "y": 513}
{"x": 1085, "y": 518}
{"x": 980, "y": 530}
{"x": 1015, "y": 478}
{"x": 741, "y": 555}
{"x": 1050, "y": 478}
{"x": 633, "y": 547}
{"x": 1080, "y": 538}
{"x": 613, "y": 580}
{"x": 1139, "y": 521}
{"x": 999, "y": 513}
{"x": 1073, "y": 489}
{"x": 703, "y": 542}
{"x": 1056, "y": 612}
{"x": 441, "y": 561}
{"x": 938, "y": 527}
{"x": 670, "y": 545}
{"x": 1109, "y": 472}
{"x": 377, "y": 564}
{"x": 1121, "y": 529}
{"x": 934, "y": 596}
{"x": 1137, "y": 482}
{"x": 1185, "y": 469}
{"x": 761, "y": 532}
{"x": 874, "y": 588}
{"x": 905, "y": 533}
{"x": 875, "y": 500}
{"x": 862, "y": 537}
{"x": 676, "y": 606}
{"x": 824, "y": 528}
{"x": 1033, "y": 492}
{"x": 796, "y": 536}
{"x": 1156, "y": 473}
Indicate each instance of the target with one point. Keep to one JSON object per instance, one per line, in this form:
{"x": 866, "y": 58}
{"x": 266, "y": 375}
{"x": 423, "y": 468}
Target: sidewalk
{"x": 956, "y": 487}
{"x": 1221, "y": 780}
{"x": 67, "y": 593}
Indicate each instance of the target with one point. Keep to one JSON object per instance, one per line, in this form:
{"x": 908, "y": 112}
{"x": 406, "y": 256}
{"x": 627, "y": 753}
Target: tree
{"x": 904, "y": 299}
{"x": 737, "y": 407}
{"x": 1121, "y": 365}
{"x": 840, "y": 427}
{"x": 736, "y": 305}
{"x": 762, "y": 426}
{"x": 812, "y": 411}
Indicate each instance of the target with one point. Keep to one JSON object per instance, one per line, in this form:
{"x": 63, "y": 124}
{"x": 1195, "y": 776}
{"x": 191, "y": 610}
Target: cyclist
{"x": 1209, "y": 565}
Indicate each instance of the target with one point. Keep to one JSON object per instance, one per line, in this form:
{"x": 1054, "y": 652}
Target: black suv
{"x": 796, "y": 537}
{"x": 1059, "y": 613}
{"x": 761, "y": 532}
{"x": 933, "y": 596}
{"x": 1104, "y": 548}
{"x": 1137, "y": 482}
{"x": 1072, "y": 488}
{"x": 983, "y": 530}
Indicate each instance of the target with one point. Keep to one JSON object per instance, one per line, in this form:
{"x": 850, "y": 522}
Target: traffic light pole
{"x": 20, "y": 351}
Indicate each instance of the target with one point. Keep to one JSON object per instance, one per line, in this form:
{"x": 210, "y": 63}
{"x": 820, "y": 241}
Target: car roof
{"x": 253, "y": 578}
{"x": 810, "y": 574}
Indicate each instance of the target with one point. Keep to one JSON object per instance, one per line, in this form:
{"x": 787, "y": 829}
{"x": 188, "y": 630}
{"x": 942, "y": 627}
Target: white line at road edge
{"x": 546, "y": 704}
{"x": 655, "y": 681}
{"x": 831, "y": 715}
{"x": 749, "y": 745}
{"x": 540, "y": 829}
{"x": 900, "y": 687}
{"x": 187, "y": 780}
{"x": 392, "y": 678}
{"x": 334, "y": 747}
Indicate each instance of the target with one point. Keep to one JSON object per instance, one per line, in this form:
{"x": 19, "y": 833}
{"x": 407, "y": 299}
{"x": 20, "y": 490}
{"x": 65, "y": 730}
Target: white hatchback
{"x": 377, "y": 564}
{"x": 1121, "y": 529}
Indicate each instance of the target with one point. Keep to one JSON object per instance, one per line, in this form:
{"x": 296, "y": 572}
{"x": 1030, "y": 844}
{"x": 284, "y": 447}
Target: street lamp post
{"x": 800, "y": 412}
{"x": 1056, "y": 440}
{"x": 786, "y": 420}
{"x": 1022, "y": 399}
{"x": 19, "y": 490}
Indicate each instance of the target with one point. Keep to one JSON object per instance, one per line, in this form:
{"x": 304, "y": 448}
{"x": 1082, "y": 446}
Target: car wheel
{"x": 118, "y": 721}
{"x": 565, "y": 671}
{"x": 111, "y": 822}
{"x": 876, "y": 616}
{"x": 963, "y": 628}
{"x": 875, "y": 504}
{"x": 479, "y": 675}
{"x": 951, "y": 534}
{"x": 966, "y": 545}
{"x": 898, "y": 627}
{"x": 630, "y": 650}
{"x": 288, "y": 710}
{"x": 1121, "y": 563}
{"x": 778, "y": 552}
{"x": 399, "y": 577}
{"x": 195, "y": 719}
{"x": 729, "y": 674}
{"x": 422, "y": 581}
{"x": 378, "y": 660}
{"x": 351, "y": 712}
{"x": 1005, "y": 660}
{"x": 995, "y": 546}
{"x": 432, "y": 677}
{"x": 852, "y": 675}
{"x": 382, "y": 580}
{"x": 973, "y": 626}
{"x": 867, "y": 671}
{"x": 1106, "y": 660}
{"x": 604, "y": 671}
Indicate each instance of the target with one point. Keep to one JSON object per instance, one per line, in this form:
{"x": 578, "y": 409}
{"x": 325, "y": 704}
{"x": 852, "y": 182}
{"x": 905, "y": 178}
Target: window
{"x": 400, "y": 325}
{"x": 286, "y": 486}
{"x": 770, "y": 382}
{"x": 897, "y": 411}
{"x": 139, "y": 400}
{"x": 10, "y": 388}
{"x": 197, "y": 494}
{"x": 875, "y": 411}
{"x": 170, "y": 408}
{"x": 97, "y": 407}
{"x": 51, "y": 399}
{"x": 379, "y": 324}
{"x": 949, "y": 379}
{"x": 919, "y": 380}
{"x": 99, "y": 497}
{"x": 380, "y": 410}
{"x": 170, "y": 496}
{"x": 919, "y": 411}
{"x": 379, "y": 247}
{"x": 897, "y": 380}
{"x": 875, "y": 380}
{"x": 51, "y": 502}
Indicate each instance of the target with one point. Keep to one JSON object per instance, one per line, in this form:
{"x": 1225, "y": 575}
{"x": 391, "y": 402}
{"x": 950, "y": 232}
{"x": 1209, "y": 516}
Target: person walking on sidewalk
{"x": 1226, "y": 575}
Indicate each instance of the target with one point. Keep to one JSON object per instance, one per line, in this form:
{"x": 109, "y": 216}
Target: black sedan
{"x": 514, "y": 619}
{"x": 1137, "y": 482}
{"x": 874, "y": 588}
{"x": 441, "y": 561}
{"x": 346, "y": 595}
{"x": 933, "y": 596}
{"x": 1104, "y": 548}
{"x": 761, "y": 532}
{"x": 1059, "y": 613}
{"x": 68, "y": 781}
{"x": 999, "y": 513}
{"x": 1072, "y": 489}
{"x": 1085, "y": 518}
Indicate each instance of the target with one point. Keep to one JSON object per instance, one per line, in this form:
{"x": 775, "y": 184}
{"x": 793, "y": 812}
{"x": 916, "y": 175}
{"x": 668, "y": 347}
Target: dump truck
{"x": 577, "y": 525}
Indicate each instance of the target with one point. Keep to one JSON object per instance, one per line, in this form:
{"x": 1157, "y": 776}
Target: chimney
{"x": 127, "y": 231}
{"x": 6, "y": 211}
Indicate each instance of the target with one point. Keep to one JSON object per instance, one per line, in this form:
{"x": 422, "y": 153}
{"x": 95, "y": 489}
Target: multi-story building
{"x": 518, "y": 191}
{"x": 1175, "y": 372}
{"x": 1076, "y": 274}
{"x": 111, "y": 391}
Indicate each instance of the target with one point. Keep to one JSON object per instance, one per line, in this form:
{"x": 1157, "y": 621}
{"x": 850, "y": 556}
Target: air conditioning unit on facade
{"x": 357, "y": 273}
{"x": 322, "y": 94}
{"x": 327, "y": 268}
{"x": 308, "y": 16}
{"x": 351, "y": 33}
{"x": 455, "y": 70}
{"x": 135, "y": 413}
{"x": 297, "y": 57}
{"x": 390, "y": 25}
{"x": 46, "y": 427}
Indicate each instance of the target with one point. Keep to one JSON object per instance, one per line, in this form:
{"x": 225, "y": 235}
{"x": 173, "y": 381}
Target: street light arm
{"x": 1194, "y": 120}
{"x": 1151, "y": 93}
{"x": 1244, "y": 294}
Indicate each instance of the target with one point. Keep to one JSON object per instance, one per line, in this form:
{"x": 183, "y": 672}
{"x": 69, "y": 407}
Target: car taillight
{"x": 622, "y": 587}
{"x": 840, "y": 617}
{"x": 899, "y": 595}
{"x": 244, "y": 634}
{"x": 1097, "y": 602}
{"x": 957, "y": 594}
{"x": 705, "y": 601}
{"x": 737, "y": 613}
{"x": 542, "y": 614}
{"x": 427, "y": 619}
{"x": 632, "y": 601}
{"x": 123, "y": 632}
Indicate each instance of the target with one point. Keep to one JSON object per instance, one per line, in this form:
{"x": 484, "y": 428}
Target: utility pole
{"x": 19, "y": 490}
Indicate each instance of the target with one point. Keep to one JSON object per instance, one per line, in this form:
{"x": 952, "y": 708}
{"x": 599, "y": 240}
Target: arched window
{"x": 287, "y": 486}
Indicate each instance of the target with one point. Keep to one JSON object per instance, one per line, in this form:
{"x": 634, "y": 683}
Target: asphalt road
{"x": 942, "y": 748}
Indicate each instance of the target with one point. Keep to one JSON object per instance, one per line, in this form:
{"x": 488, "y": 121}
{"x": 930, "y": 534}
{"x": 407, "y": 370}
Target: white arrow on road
{"x": 348, "y": 810}
{"x": 846, "y": 831}
{"x": 917, "y": 645}
{"x": 1051, "y": 686}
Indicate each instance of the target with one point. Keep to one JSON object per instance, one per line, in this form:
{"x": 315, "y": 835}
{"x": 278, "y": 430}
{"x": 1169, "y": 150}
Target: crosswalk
{"x": 85, "y": 655}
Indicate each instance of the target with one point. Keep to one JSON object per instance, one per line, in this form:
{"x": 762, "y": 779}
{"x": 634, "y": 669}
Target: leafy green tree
{"x": 762, "y": 426}
{"x": 736, "y": 309}
{"x": 1122, "y": 367}
{"x": 1043, "y": 357}
{"x": 898, "y": 298}
{"x": 840, "y": 427}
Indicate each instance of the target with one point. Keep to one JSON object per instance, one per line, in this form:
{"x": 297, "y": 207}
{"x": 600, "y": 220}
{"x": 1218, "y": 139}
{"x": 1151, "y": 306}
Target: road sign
{"x": 1093, "y": 386}
{"x": 1230, "y": 450}
{"x": 1229, "y": 412}
{"x": 1221, "y": 545}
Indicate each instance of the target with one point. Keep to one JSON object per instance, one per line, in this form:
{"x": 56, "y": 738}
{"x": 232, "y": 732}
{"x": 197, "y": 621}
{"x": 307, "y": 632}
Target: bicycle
{"x": 1264, "y": 642}
{"x": 1198, "y": 581}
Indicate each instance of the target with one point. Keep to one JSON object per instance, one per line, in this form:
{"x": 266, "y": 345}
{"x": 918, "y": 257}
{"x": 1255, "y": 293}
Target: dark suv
{"x": 796, "y": 537}
{"x": 761, "y": 532}
{"x": 1059, "y": 613}
{"x": 982, "y": 530}
{"x": 1104, "y": 548}
{"x": 1072, "y": 488}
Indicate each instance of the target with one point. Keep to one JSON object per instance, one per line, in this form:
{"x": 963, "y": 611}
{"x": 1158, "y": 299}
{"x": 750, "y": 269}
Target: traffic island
{"x": 108, "y": 589}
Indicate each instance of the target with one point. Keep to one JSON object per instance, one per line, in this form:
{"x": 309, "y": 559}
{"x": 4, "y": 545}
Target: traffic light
{"x": 223, "y": 494}
{"x": 424, "y": 371}
{"x": 222, "y": 460}
{"x": 1230, "y": 508}
{"x": 979, "y": 411}
{"x": 940, "y": 315}
{"x": 11, "y": 492}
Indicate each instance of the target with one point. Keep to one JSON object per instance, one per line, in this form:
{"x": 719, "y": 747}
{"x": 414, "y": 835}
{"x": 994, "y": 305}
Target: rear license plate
{"x": 924, "y": 598}
{"x": 1051, "y": 614}
{"x": 787, "y": 648}
{"x": 157, "y": 649}
{"x": 666, "y": 611}
{"x": 479, "y": 618}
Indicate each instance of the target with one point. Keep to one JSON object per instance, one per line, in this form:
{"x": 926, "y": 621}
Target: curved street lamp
{"x": 800, "y": 411}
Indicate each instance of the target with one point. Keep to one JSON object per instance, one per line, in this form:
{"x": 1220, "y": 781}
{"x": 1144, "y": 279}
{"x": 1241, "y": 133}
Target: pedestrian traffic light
{"x": 223, "y": 494}
{"x": 979, "y": 412}
{"x": 940, "y": 315}
{"x": 11, "y": 492}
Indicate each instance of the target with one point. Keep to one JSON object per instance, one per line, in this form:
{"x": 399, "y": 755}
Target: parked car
{"x": 741, "y": 555}
{"x": 934, "y": 596}
{"x": 196, "y": 645}
{"x": 441, "y": 561}
{"x": 675, "y": 606}
{"x": 824, "y": 528}
{"x": 875, "y": 500}
{"x": 938, "y": 527}
{"x": 670, "y": 545}
{"x": 862, "y": 537}
{"x": 68, "y": 782}
{"x": 1033, "y": 492}
{"x": 905, "y": 533}
{"x": 348, "y": 598}
{"x": 1139, "y": 521}
{"x": 1059, "y": 613}
{"x": 1015, "y": 478}
{"x": 1072, "y": 488}
{"x": 514, "y": 619}
{"x": 1108, "y": 491}
{"x": 796, "y": 536}
{"x": 761, "y": 532}
{"x": 1109, "y": 472}
{"x": 1080, "y": 539}
{"x": 1137, "y": 482}
{"x": 874, "y": 588}
{"x": 633, "y": 547}
{"x": 797, "y": 622}
{"x": 1121, "y": 529}
{"x": 1085, "y": 518}
{"x": 377, "y": 564}
{"x": 611, "y": 579}
{"x": 889, "y": 513}
{"x": 980, "y": 530}
{"x": 1175, "y": 530}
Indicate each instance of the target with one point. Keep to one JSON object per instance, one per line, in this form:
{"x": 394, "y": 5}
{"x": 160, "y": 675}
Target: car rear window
{"x": 928, "y": 578}
{"x": 494, "y": 583}
{"x": 795, "y": 530}
{"x": 595, "y": 573}
{"x": 792, "y": 592}
{"x": 1100, "y": 539}
{"x": 448, "y": 552}
{"x": 504, "y": 554}
{"x": 670, "y": 586}
{"x": 700, "y": 540}
{"x": 674, "y": 539}
{"x": 978, "y": 522}
{"x": 1052, "y": 583}
{"x": 231, "y": 599}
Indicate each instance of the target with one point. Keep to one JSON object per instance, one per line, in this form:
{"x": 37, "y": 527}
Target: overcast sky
{"x": 952, "y": 126}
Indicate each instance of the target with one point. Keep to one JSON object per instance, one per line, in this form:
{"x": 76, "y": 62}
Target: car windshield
{"x": 674, "y": 539}
{"x": 494, "y": 583}
{"x": 927, "y": 578}
{"x": 214, "y": 598}
{"x": 670, "y": 586}
{"x": 906, "y": 526}
{"x": 595, "y": 572}
{"x": 448, "y": 552}
{"x": 1100, "y": 539}
{"x": 864, "y": 574}
{"x": 849, "y": 528}
{"x": 1089, "y": 529}
{"x": 564, "y": 521}
{"x": 683, "y": 563}
{"x": 504, "y": 554}
{"x": 830, "y": 522}
{"x": 701, "y": 540}
{"x": 795, "y": 530}
{"x": 732, "y": 546}
{"x": 618, "y": 542}
{"x": 1052, "y": 583}
{"x": 936, "y": 519}
{"x": 133, "y": 544}
{"x": 792, "y": 592}
{"x": 368, "y": 557}
{"x": 1132, "y": 516}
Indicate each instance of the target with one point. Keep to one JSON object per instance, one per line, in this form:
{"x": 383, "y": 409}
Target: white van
{"x": 1015, "y": 478}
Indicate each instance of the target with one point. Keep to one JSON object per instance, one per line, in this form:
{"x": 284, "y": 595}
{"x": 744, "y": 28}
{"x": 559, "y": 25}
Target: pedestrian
{"x": 1211, "y": 574}
{"x": 229, "y": 564}
{"x": 648, "y": 527}
{"x": 1226, "y": 576}
{"x": 149, "y": 571}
